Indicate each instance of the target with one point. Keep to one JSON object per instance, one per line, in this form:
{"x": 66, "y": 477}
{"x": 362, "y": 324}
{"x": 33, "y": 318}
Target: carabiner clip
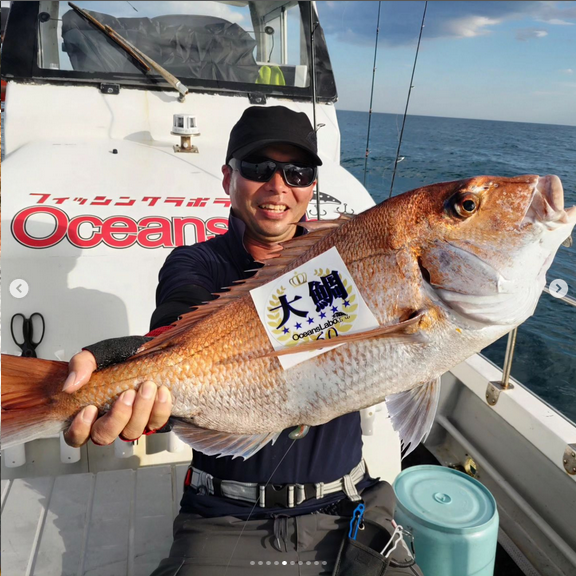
{"x": 397, "y": 534}
{"x": 398, "y": 538}
{"x": 356, "y": 520}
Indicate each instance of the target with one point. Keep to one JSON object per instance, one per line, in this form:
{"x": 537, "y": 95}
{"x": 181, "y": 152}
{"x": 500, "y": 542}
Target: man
{"x": 270, "y": 173}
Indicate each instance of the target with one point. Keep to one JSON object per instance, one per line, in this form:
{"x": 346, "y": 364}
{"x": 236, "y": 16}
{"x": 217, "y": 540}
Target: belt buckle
{"x": 271, "y": 495}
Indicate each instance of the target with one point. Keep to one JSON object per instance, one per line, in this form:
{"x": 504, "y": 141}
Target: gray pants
{"x": 304, "y": 545}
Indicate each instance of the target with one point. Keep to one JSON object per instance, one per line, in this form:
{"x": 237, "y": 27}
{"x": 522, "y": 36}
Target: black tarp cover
{"x": 199, "y": 47}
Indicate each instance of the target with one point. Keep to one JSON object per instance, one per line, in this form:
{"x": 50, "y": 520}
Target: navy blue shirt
{"x": 326, "y": 453}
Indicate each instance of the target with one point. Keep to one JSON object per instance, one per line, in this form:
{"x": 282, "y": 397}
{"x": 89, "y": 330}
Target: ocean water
{"x": 441, "y": 149}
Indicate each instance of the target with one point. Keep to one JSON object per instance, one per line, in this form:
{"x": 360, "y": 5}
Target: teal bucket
{"x": 453, "y": 518}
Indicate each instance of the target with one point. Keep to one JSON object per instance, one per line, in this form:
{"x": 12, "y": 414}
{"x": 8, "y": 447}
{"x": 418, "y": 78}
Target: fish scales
{"x": 445, "y": 269}
{"x": 222, "y": 344}
{"x": 253, "y": 394}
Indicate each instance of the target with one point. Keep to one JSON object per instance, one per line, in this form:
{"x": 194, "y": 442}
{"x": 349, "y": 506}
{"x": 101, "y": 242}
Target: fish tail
{"x": 30, "y": 389}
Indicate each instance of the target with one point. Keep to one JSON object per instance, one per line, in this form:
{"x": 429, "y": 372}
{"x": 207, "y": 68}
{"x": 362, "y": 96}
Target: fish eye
{"x": 469, "y": 205}
{"x": 465, "y": 204}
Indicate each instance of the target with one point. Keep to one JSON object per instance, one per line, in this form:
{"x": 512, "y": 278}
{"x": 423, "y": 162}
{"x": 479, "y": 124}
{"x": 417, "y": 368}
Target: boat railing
{"x": 494, "y": 388}
{"x": 567, "y": 299}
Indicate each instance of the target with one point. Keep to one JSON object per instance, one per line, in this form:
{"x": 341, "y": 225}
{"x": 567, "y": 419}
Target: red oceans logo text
{"x": 88, "y": 231}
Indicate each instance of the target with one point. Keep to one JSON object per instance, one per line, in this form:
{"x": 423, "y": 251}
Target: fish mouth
{"x": 547, "y": 205}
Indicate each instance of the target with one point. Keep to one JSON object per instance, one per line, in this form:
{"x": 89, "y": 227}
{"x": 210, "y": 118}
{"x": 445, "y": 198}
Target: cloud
{"x": 556, "y": 13}
{"x": 558, "y": 22}
{"x": 567, "y": 71}
{"x": 524, "y": 34}
{"x": 470, "y": 26}
{"x": 355, "y": 22}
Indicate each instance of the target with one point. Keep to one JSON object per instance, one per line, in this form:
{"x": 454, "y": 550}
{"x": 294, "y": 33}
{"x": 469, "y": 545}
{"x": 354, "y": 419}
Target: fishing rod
{"x": 408, "y": 100}
{"x": 372, "y": 94}
{"x": 313, "y": 25}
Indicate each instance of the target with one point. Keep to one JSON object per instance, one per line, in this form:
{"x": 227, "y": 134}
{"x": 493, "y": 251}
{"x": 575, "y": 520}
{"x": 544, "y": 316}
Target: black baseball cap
{"x": 261, "y": 126}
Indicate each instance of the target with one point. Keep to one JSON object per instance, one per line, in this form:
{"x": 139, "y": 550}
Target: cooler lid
{"x": 444, "y": 497}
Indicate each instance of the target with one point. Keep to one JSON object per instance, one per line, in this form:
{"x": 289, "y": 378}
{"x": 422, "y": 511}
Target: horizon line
{"x": 462, "y": 118}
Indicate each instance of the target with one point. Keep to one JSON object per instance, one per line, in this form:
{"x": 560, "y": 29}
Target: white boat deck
{"x": 115, "y": 522}
{"x": 105, "y": 524}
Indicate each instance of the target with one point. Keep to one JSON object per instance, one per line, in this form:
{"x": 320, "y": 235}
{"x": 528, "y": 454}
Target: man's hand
{"x": 133, "y": 411}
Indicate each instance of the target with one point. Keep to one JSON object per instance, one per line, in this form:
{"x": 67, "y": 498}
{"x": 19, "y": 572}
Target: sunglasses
{"x": 262, "y": 170}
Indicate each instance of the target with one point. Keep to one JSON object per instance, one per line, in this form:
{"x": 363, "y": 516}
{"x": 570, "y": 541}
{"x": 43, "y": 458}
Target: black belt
{"x": 273, "y": 495}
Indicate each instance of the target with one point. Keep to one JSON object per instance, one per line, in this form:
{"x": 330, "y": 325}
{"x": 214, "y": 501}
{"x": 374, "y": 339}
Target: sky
{"x": 495, "y": 60}
{"x": 500, "y": 60}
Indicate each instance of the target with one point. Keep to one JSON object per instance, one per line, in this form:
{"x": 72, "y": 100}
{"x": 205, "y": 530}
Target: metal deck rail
{"x": 494, "y": 388}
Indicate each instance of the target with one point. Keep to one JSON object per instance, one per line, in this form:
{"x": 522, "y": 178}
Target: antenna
{"x": 407, "y": 101}
{"x": 372, "y": 94}
{"x": 313, "y": 26}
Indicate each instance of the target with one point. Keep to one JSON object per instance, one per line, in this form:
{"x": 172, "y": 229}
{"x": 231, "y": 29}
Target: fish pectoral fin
{"x": 412, "y": 413}
{"x": 216, "y": 443}
{"x": 395, "y": 331}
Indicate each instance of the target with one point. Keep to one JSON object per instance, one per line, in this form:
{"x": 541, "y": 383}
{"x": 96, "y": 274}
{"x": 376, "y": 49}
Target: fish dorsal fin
{"x": 272, "y": 268}
{"x": 293, "y": 250}
{"x": 216, "y": 443}
{"x": 412, "y": 413}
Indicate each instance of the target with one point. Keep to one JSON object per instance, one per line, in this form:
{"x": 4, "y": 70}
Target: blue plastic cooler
{"x": 454, "y": 520}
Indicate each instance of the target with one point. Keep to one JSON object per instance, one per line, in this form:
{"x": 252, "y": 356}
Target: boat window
{"x": 208, "y": 44}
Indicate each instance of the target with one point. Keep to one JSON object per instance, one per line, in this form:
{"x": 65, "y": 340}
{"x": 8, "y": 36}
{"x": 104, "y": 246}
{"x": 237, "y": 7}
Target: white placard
{"x": 316, "y": 301}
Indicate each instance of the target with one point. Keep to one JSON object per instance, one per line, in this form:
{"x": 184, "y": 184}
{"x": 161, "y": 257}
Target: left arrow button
{"x": 19, "y": 288}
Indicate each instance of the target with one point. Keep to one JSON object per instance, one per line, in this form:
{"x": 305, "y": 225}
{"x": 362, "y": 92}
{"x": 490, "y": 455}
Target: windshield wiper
{"x": 145, "y": 62}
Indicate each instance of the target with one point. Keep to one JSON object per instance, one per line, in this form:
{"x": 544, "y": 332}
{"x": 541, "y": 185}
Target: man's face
{"x": 269, "y": 209}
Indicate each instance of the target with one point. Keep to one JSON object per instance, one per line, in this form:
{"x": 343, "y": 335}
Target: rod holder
{"x": 494, "y": 388}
